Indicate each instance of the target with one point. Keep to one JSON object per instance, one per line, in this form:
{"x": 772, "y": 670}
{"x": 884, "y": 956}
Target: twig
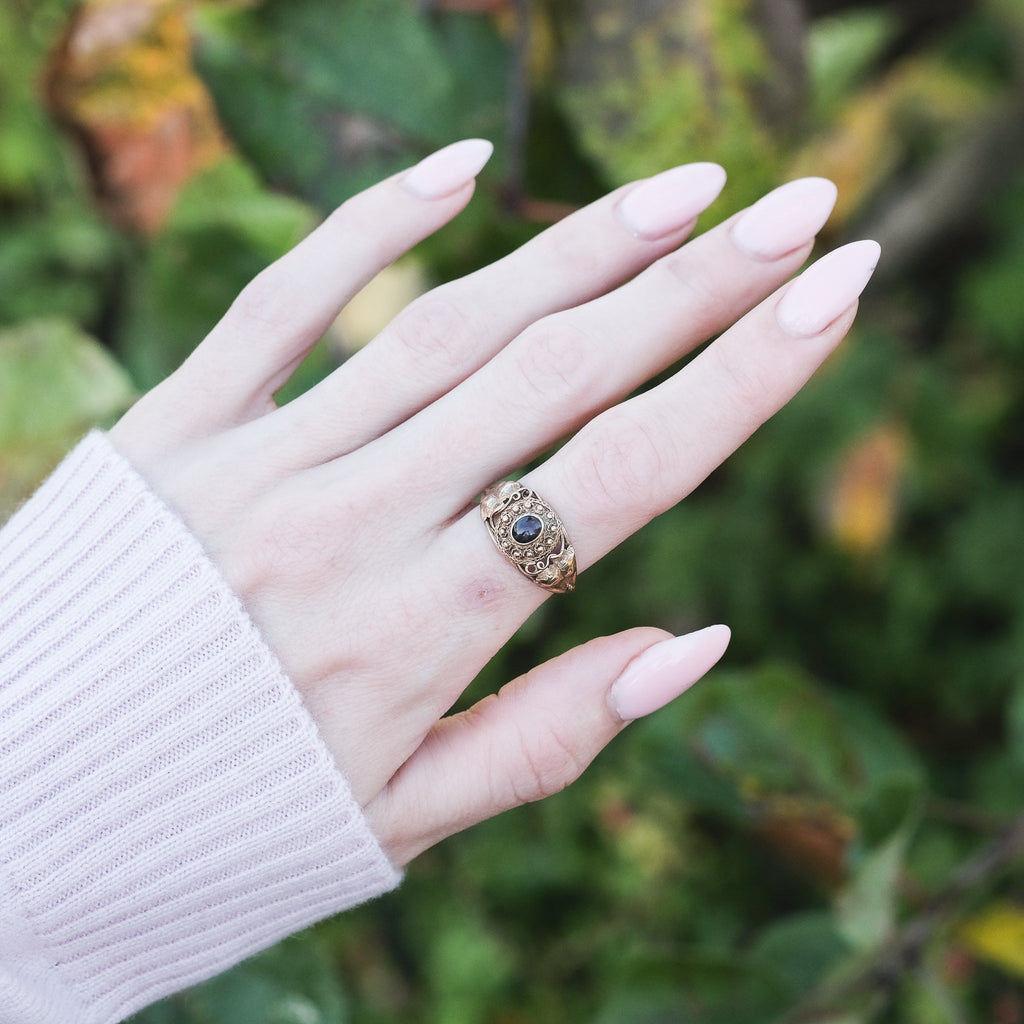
{"x": 878, "y": 980}
{"x": 517, "y": 104}
{"x": 967, "y": 816}
{"x": 517, "y": 111}
{"x": 949, "y": 191}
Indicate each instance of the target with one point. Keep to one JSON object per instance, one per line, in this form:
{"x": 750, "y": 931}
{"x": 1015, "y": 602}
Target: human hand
{"x": 345, "y": 520}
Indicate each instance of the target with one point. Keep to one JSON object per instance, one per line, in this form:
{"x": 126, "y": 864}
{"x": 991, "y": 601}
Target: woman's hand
{"x": 346, "y": 520}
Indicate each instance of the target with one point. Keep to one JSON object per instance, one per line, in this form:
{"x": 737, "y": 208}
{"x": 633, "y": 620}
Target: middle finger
{"x": 562, "y": 370}
{"x": 446, "y": 335}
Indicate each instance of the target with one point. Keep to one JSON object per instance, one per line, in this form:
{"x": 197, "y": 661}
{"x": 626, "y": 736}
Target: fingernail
{"x": 670, "y": 200}
{"x": 448, "y": 170}
{"x": 785, "y": 219}
{"x": 664, "y": 671}
{"x": 826, "y": 289}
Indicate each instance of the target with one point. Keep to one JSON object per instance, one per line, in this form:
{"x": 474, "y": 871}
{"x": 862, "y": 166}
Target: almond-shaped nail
{"x": 785, "y": 219}
{"x": 448, "y": 170}
{"x": 671, "y": 200}
{"x": 664, "y": 671}
{"x": 826, "y": 289}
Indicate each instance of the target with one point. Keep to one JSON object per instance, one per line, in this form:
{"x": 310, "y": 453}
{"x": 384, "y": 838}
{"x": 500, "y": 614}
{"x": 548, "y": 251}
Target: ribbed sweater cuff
{"x": 167, "y": 807}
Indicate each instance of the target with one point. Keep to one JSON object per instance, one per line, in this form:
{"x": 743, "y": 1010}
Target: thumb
{"x": 536, "y": 735}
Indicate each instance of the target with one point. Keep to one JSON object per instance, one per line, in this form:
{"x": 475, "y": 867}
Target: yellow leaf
{"x": 380, "y": 301}
{"x": 649, "y": 837}
{"x": 863, "y": 499}
{"x": 996, "y": 934}
{"x": 879, "y": 128}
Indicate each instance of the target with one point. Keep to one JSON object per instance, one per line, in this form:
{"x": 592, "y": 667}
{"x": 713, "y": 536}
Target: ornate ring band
{"x": 528, "y": 532}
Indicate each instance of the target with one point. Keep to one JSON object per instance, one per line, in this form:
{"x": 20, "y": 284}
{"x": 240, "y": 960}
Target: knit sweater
{"x": 167, "y": 807}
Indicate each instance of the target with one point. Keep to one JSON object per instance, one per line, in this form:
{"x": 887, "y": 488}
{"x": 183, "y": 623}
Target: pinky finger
{"x": 536, "y": 736}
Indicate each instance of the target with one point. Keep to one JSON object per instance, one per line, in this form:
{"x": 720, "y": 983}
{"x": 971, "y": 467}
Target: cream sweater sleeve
{"x": 166, "y": 805}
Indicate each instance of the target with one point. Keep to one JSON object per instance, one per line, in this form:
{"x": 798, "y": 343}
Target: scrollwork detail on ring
{"x": 529, "y": 533}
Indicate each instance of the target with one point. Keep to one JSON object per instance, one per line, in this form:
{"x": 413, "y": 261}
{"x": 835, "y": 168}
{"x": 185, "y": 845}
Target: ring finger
{"x": 640, "y": 458}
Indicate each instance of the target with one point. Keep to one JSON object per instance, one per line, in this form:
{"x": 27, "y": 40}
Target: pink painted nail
{"x": 664, "y": 671}
{"x": 448, "y": 170}
{"x": 670, "y": 200}
{"x": 785, "y": 219}
{"x": 827, "y": 289}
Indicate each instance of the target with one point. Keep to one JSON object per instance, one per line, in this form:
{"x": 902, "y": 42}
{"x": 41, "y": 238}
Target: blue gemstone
{"x": 526, "y": 529}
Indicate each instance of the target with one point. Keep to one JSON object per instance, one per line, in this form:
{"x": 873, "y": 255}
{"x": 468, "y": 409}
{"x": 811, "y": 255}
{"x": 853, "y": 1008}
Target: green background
{"x": 828, "y": 828}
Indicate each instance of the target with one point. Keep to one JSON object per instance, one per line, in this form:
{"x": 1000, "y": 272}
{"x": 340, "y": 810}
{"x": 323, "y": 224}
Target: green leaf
{"x": 866, "y": 908}
{"x": 993, "y": 300}
{"x": 647, "y": 86}
{"x": 1015, "y": 723}
{"x": 800, "y": 950}
{"x": 57, "y": 259}
{"x": 30, "y": 153}
{"x": 931, "y": 996}
{"x": 712, "y": 988}
{"x": 348, "y": 93}
{"x": 840, "y": 52}
{"x": 225, "y": 228}
{"x": 56, "y": 382}
{"x": 774, "y": 731}
{"x": 57, "y": 264}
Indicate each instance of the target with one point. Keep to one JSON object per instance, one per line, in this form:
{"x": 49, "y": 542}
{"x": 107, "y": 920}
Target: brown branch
{"x": 877, "y": 981}
{"x": 517, "y": 111}
{"x": 517, "y": 104}
{"x": 968, "y": 816}
{"x": 949, "y": 191}
{"x": 954, "y": 187}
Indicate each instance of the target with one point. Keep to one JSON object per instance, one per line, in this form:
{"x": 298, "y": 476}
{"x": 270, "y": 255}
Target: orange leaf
{"x": 808, "y": 834}
{"x": 122, "y": 81}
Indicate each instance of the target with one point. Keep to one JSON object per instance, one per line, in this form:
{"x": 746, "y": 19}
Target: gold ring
{"x": 528, "y": 532}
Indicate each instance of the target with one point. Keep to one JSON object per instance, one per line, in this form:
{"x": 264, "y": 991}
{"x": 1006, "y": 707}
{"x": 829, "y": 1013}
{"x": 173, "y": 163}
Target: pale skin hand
{"x": 345, "y": 520}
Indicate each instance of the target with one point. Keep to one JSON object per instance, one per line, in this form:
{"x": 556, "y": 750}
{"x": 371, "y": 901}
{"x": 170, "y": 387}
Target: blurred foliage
{"x": 55, "y": 383}
{"x": 830, "y": 827}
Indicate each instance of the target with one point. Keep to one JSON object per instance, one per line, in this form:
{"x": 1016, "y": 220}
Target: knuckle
{"x": 434, "y": 332}
{"x": 248, "y": 555}
{"x": 267, "y": 302}
{"x": 749, "y": 381}
{"x": 552, "y": 361}
{"x": 565, "y": 246}
{"x": 704, "y": 294}
{"x": 278, "y": 544}
{"x": 624, "y": 463}
{"x": 258, "y": 549}
{"x": 548, "y": 764}
{"x": 354, "y": 214}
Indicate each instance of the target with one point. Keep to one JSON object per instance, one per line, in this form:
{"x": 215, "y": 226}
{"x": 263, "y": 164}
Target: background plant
{"x": 828, "y": 829}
